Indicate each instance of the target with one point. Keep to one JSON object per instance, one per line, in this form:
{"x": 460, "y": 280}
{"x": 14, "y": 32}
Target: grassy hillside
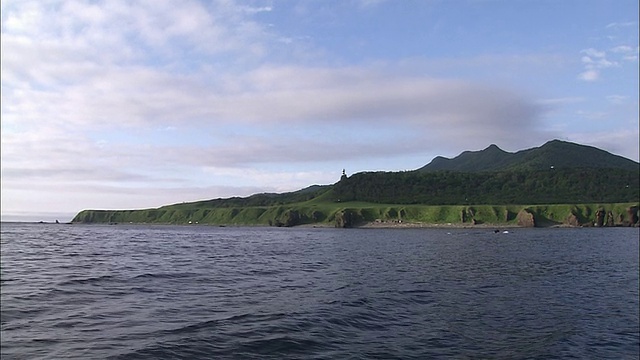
{"x": 356, "y": 213}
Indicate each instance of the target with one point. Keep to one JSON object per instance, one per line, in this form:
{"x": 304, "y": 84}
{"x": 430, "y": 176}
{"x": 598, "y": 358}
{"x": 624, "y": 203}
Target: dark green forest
{"x": 551, "y": 186}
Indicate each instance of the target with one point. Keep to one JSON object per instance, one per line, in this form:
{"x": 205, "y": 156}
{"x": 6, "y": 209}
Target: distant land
{"x": 557, "y": 184}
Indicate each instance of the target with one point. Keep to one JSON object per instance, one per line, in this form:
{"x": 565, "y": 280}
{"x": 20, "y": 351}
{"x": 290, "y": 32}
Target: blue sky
{"x": 136, "y": 104}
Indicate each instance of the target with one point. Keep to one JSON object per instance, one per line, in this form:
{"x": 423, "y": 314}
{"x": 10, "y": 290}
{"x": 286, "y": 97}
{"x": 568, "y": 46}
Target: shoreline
{"x": 395, "y": 224}
{"x": 417, "y": 225}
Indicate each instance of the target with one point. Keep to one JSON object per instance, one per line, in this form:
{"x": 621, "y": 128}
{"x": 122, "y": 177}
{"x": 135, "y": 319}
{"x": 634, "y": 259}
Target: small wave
{"x": 254, "y": 272}
{"x": 213, "y": 323}
{"x": 280, "y": 345}
{"x": 165, "y": 275}
{"x": 357, "y": 303}
{"x": 416, "y": 291}
{"x": 94, "y": 280}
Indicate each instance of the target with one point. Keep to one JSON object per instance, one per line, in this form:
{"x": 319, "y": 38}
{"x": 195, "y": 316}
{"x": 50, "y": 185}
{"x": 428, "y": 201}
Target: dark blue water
{"x": 135, "y": 292}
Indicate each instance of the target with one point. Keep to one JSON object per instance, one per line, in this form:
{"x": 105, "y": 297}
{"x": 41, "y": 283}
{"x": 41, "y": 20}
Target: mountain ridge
{"x": 553, "y": 154}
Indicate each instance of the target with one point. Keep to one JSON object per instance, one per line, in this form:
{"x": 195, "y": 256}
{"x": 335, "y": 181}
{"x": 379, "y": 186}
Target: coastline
{"x": 421, "y": 225}
{"x": 362, "y": 225}
{"x": 483, "y": 226}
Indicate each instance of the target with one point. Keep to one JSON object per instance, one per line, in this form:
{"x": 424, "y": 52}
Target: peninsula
{"x": 557, "y": 184}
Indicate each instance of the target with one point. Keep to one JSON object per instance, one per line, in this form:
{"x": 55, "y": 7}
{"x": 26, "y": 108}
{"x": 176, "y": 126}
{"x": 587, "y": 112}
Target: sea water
{"x": 188, "y": 292}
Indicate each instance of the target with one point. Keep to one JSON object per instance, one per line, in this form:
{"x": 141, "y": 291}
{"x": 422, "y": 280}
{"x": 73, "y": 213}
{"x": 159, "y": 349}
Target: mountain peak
{"x": 493, "y": 147}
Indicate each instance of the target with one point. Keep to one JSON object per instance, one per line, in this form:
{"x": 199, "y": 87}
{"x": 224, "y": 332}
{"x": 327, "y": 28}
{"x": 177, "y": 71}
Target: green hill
{"x": 557, "y": 183}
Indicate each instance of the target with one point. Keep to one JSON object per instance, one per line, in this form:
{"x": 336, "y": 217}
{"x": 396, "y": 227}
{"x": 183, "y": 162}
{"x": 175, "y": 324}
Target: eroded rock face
{"x": 610, "y": 221}
{"x": 600, "y": 214}
{"x": 316, "y": 216}
{"x": 632, "y": 213}
{"x": 343, "y": 219}
{"x": 508, "y": 215}
{"x": 572, "y": 220}
{"x": 347, "y": 219}
{"x": 290, "y": 218}
{"x": 468, "y": 215}
{"x": 525, "y": 218}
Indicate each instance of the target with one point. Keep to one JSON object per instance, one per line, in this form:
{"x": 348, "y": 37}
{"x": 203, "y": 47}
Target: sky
{"x": 142, "y": 103}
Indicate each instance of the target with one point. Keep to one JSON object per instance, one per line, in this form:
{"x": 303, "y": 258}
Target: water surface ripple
{"x": 185, "y": 292}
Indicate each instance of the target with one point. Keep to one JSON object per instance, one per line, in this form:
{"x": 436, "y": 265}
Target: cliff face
{"x": 526, "y": 218}
{"x": 633, "y": 215}
{"x": 603, "y": 217}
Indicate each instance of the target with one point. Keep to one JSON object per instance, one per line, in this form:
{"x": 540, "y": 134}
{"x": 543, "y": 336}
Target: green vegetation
{"x": 551, "y": 186}
{"x": 334, "y": 214}
{"x": 558, "y": 183}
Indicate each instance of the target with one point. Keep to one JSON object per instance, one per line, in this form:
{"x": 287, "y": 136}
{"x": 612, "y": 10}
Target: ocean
{"x": 205, "y": 292}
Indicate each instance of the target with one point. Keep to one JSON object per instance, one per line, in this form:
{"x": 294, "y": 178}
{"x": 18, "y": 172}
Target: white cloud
{"x": 141, "y": 31}
{"x": 111, "y": 97}
{"x": 594, "y": 53}
{"x": 594, "y": 61}
{"x": 253, "y": 10}
{"x": 593, "y": 115}
{"x": 369, "y": 3}
{"x": 628, "y": 53}
{"x": 617, "y": 25}
{"x": 561, "y": 101}
{"x": 617, "y": 99}
{"x": 622, "y": 49}
{"x": 589, "y": 75}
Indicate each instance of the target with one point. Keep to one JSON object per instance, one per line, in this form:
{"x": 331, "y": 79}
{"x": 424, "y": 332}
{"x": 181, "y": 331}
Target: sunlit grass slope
{"x": 328, "y": 213}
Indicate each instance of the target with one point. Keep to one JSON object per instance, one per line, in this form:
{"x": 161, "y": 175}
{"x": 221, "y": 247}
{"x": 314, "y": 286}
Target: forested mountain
{"x": 557, "y": 172}
{"x": 554, "y": 154}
